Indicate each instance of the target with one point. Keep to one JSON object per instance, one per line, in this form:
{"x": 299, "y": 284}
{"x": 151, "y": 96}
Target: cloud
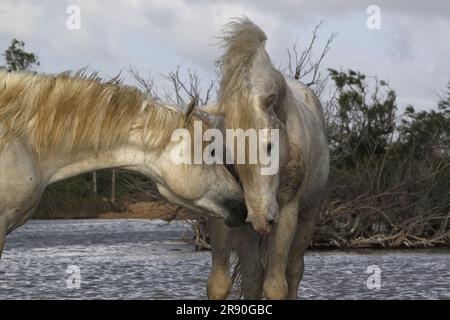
{"x": 411, "y": 50}
{"x": 28, "y": 14}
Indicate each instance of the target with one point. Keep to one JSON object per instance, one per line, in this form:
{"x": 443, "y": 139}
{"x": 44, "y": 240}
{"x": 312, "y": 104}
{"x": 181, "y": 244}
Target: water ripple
{"x": 141, "y": 259}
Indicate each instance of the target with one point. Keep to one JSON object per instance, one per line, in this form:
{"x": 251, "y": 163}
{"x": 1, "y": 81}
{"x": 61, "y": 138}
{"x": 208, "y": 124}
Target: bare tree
{"x": 94, "y": 181}
{"x": 305, "y": 64}
{"x": 185, "y": 87}
{"x": 145, "y": 83}
{"x": 113, "y": 186}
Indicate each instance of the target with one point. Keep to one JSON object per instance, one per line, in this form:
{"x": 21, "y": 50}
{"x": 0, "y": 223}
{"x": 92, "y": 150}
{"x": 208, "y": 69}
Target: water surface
{"x": 142, "y": 259}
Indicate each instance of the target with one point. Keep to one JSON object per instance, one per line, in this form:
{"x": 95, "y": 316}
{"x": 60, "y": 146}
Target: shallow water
{"x": 142, "y": 259}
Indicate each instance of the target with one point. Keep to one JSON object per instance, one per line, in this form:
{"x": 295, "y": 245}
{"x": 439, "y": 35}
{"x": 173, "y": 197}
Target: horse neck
{"x": 130, "y": 156}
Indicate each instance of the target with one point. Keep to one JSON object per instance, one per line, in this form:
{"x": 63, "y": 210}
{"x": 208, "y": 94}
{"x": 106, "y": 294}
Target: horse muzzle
{"x": 236, "y": 212}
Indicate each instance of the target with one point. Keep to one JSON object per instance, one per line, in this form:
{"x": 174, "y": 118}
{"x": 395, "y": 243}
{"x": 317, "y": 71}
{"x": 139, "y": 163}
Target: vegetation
{"x": 389, "y": 183}
{"x": 17, "y": 59}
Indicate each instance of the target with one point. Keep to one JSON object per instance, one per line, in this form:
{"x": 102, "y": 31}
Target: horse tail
{"x": 240, "y": 240}
{"x": 236, "y": 292}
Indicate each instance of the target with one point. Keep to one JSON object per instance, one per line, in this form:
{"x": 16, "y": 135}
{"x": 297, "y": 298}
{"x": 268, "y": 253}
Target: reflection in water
{"x": 142, "y": 259}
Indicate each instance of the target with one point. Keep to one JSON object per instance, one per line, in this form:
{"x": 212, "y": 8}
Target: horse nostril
{"x": 271, "y": 222}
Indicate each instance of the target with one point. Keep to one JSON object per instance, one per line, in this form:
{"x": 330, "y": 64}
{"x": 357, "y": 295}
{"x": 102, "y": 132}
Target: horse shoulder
{"x": 308, "y": 148}
{"x": 292, "y": 173}
{"x": 20, "y": 173}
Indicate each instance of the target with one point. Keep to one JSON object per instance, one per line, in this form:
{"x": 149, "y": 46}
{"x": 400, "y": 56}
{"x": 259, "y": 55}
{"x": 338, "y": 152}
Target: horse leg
{"x": 3, "y": 230}
{"x": 252, "y": 273}
{"x": 296, "y": 265}
{"x": 219, "y": 280}
{"x": 275, "y": 284}
{"x": 20, "y": 187}
{"x": 13, "y": 219}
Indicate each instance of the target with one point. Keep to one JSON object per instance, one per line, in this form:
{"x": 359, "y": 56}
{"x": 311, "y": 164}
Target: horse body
{"x": 252, "y": 88}
{"x": 47, "y": 135}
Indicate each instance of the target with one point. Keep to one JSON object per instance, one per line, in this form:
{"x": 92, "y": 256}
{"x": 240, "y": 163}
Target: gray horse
{"x": 253, "y": 94}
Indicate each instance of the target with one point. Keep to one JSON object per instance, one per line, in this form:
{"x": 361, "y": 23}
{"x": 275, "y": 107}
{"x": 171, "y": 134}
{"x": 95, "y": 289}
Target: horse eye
{"x": 269, "y": 148}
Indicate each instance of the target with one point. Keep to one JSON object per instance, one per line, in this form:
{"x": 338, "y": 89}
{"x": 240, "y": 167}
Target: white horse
{"x": 253, "y": 94}
{"x": 56, "y": 127}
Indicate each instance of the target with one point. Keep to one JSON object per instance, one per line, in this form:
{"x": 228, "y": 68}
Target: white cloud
{"x": 19, "y": 18}
{"x": 411, "y": 50}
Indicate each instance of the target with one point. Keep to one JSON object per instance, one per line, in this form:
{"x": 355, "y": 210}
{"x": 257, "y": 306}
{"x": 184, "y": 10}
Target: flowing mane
{"x": 243, "y": 42}
{"x": 72, "y": 113}
{"x": 241, "y": 39}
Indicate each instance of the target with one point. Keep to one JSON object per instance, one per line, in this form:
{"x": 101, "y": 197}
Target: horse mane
{"x": 241, "y": 42}
{"x": 69, "y": 114}
{"x": 241, "y": 39}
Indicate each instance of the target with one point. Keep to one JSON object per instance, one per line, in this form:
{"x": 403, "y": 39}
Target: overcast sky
{"x": 411, "y": 50}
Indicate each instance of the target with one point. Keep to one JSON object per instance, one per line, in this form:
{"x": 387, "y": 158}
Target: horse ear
{"x": 184, "y": 120}
{"x": 270, "y": 100}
